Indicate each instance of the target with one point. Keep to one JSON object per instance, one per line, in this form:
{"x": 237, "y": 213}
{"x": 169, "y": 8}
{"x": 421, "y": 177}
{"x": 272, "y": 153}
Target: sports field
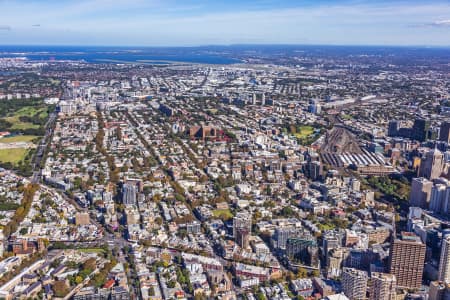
{"x": 13, "y": 155}
{"x": 18, "y": 138}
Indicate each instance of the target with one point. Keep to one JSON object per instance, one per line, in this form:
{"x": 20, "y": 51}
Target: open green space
{"x": 5, "y": 206}
{"x": 393, "y": 189}
{"x": 224, "y": 214}
{"x": 93, "y": 250}
{"x": 325, "y": 227}
{"x": 13, "y": 156}
{"x": 23, "y": 126}
{"x": 304, "y": 131}
{"x": 18, "y": 138}
{"x": 27, "y": 116}
{"x": 305, "y": 134}
{"x": 346, "y": 117}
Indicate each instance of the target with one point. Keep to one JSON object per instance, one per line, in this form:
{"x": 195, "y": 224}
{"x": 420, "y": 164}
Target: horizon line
{"x": 230, "y": 45}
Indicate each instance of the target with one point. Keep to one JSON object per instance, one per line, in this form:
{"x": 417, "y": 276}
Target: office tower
{"x": 354, "y": 283}
{"x": 304, "y": 250}
{"x": 355, "y": 184}
{"x": 444, "y": 261}
{"x": 432, "y": 164}
{"x": 393, "y": 128}
{"x": 129, "y": 194}
{"x": 282, "y": 234}
{"x": 253, "y": 98}
{"x": 420, "y": 192}
{"x": 439, "y": 199}
{"x": 420, "y": 129}
{"x": 242, "y": 221}
{"x": 242, "y": 237}
{"x": 383, "y": 286}
{"x": 335, "y": 261}
{"x": 263, "y": 99}
{"x": 331, "y": 240}
{"x": 313, "y": 170}
{"x": 314, "y": 107}
{"x": 444, "y": 132}
{"x": 406, "y": 260}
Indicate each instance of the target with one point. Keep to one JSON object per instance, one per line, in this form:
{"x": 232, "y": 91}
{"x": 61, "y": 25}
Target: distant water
{"x": 223, "y": 55}
{"x": 116, "y": 54}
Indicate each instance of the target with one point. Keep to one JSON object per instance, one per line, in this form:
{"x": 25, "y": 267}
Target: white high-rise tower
{"x": 444, "y": 262}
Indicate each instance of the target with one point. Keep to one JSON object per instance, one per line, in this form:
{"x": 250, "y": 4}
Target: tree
{"x": 171, "y": 284}
{"x": 151, "y": 291}
{"x": 260, "y": 296}
{"x": 60, "y": 288}
{"x": 90, "y": 264}
{"x": 315, "y": 273}
{"x": 78, "y": 279}
{"x": 302, "y": 273}
{"x": 200, "y": 296}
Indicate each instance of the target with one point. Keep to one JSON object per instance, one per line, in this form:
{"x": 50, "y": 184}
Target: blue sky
{"x": 206, "y": 22}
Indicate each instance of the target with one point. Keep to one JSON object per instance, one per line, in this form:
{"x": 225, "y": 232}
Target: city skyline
{"x": 198, "y": 22}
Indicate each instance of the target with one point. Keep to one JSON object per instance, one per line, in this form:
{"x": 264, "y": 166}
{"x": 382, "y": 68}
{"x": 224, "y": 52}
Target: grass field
{"x": 304, "y": 132}
{"x": 12, "y": 155}
{"x": 14, "y": 118}
{"x": 93, "y": 250}
{"x": 224, "y": 214}
{"x": 24, "y": 125}
{"x": 324, "y": 227}
{"x": 18, "y": 138}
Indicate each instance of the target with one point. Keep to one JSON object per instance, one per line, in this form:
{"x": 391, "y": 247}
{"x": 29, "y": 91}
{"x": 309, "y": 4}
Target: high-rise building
{"x": 335, "y": 261}
{"x": 383, "y": 286}
{"x": 282, "y": 234}
{"x": 242, "y": 237}
{"x": 129, "y": 194}
{"x": 331, "y": 240}
{"x": 420, "y": 129}
{"x": 354, "y": 283}
{"x": 242, "y": 221}
{"x": 313, "y": 169}
{"x": 432, "y": 164}
{"x": 393, "y": 127}
{"x": 303, "y": 250}
{"x": 314, "y": 107}
{"x": 406, "y": 260}
{"x": 444, "y": 261}
{"x": 439, "y": 199}
{"x": 420, "y": 192}
{"x": 444, "y": 132}
{"x": 355, "y": 185}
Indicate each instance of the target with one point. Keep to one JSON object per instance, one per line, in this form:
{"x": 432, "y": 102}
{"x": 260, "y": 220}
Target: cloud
{"x": 441, "y": 23}
{"x": 5, "y": 27}
{"x": 194, "y": 22}
{"x": 436, "y": 24}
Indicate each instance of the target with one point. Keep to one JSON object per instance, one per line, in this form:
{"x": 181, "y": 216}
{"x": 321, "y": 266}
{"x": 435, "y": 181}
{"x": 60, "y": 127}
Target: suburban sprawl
{"x": 309, "y": 174}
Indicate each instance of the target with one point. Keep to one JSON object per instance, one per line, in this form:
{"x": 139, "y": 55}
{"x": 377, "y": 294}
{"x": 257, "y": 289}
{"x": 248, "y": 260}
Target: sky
{"x": 224, "y": 22}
